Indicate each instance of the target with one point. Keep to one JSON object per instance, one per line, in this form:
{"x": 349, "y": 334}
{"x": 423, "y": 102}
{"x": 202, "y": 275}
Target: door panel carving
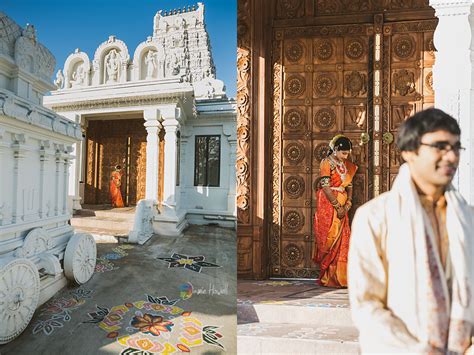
{"x": 408, "y": 60}
{"x": 109, "y": 145}
{"x": 340, "y": 79}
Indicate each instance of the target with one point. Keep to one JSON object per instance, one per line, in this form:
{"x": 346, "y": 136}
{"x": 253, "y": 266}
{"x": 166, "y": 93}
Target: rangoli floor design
{"x": 104, "y": 262}
{"x": 193, "y": 263}
{"x": 58, "y": 311}
{"x": 155, "y": 326}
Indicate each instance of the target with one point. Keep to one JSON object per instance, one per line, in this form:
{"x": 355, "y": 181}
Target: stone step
{"x": 102, "y": 235}
{"x": 292, "y": 338}
{"x": 113, "y": 224}
{"x": 311, "y": 312}
{"x": 126, "y": 213}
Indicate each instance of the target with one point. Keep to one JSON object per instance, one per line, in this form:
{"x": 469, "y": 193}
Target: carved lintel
{"x": 35, "y": 242}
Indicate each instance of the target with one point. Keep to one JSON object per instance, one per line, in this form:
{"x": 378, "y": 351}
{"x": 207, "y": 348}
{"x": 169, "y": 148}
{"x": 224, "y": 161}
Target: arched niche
{"x": 148, "y": 61}
{"x": 77, "y": 70}
{"x": 111, "y": 61}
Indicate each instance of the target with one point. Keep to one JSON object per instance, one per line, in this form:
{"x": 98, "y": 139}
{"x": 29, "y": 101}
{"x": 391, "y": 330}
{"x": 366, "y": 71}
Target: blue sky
{"x": 63, "y": 25}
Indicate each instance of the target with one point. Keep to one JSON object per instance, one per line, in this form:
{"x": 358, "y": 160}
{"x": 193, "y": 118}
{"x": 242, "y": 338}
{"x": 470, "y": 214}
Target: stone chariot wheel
{"x": 19, "y": 295}
{"x": 80, "y": 258}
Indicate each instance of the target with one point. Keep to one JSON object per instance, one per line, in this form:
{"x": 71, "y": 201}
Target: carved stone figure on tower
{"x": 78, "y": 76}
{"x": 59, "y": 81}
{"x": 112, "y": 67}
{"x": 151, "y": 64}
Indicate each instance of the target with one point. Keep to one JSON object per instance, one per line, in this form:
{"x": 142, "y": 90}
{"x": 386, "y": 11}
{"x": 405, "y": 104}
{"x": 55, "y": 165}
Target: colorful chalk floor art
{"x": 58, "y": 311}
{"x": 104, "y": 263}
{"x": 193, "y": 263}
{"x": 155, "y": 326}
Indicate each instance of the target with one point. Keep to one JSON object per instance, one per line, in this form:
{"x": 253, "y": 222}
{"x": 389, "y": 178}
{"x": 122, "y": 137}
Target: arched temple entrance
{"x": 307, "y": 71}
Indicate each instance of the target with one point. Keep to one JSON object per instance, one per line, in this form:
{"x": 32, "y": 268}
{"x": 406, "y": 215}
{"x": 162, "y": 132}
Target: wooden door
{"x": 408, "y": 56}
{"x": 360, "y": 80}
{"x": 111, "y": 143}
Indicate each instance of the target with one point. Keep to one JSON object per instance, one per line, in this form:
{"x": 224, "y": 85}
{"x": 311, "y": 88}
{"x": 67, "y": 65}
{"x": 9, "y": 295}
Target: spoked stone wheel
{"x": 80, "y": 258}
{"x": 19, "y": 294}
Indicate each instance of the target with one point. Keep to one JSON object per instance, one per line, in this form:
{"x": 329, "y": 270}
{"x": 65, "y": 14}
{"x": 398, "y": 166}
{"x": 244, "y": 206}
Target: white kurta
{"x": 384, "y": 276}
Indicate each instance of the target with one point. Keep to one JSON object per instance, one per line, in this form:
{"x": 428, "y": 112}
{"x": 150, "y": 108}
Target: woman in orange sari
{"x": 331, "y": 222}
{"x": 115, "y": 183}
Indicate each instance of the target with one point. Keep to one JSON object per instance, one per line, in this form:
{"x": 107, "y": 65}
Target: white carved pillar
{"x": 45, "y": 145}
{"x": 68, "y": 161}
{"x": 6, "y": 180}
{"x": 153, "y": 126}
{"x": 57, "y": 179}
{"x": 19, "y": 141}
{"x": 74, "y": 168}
{"x": 171, "y": 127}
{"x": 82, "y": 160}
{"x": 187, "y": 176}
{"x": 453, "y": 78}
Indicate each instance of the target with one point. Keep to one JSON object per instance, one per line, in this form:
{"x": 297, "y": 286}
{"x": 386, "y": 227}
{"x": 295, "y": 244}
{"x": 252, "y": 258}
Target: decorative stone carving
{"x": 78, "y": 76}
{"x": 323, "y": 49}
{"x": 293, "y": 254}
{"x": 80, "y": 258}
{"x": 354, "y": 48}
{"x": 324, "y": 84}
{"x": 403, "y": 82}
{"x": 404, "y": 46}
{"x": 19, "y": 295}
{"x": 355, "y": 84}
{"x": 151, "y": 64}
{"x": 295, "y": 119}
{"x": 295, "y": 153}
{"x": 209, "y": 88}
{"x": 32, "y": 56}
{"x": 112, "y": 67}
{"x": 143, "y": 223}
{"x": 294, "y": 51}
{"x": 293, "y": 221}
{"x": 59, "y": 81}
{"x": 320, "y": 152}
{"x": 11, "y": 31}
{"x": 294, "y": 186}
{"x": 295, "y": 85}
{"x": 35, "y": 243}
{"x": 50, "y": 264}
{"x": 325, "y": 118}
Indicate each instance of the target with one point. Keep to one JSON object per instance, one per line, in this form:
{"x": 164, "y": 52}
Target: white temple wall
{"x": 203, "y": 203}
{"x": 453, "y": 79}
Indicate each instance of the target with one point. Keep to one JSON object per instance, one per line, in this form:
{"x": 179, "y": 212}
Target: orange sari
{"x": 331, "y": 233}
{"x": 115, "y": 193}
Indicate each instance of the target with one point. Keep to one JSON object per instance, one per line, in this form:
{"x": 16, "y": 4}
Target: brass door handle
{"x": 364, "y": 138}
{"x": 387, "y": 138}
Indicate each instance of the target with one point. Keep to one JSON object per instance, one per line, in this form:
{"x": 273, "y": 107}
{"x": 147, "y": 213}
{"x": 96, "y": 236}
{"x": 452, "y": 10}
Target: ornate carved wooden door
{"x": 111, "y": 143}
{"x": 359, "y": 80}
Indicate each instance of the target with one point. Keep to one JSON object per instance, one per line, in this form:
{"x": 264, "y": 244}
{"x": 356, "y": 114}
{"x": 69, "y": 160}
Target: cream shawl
{"x": 387, "y": 281}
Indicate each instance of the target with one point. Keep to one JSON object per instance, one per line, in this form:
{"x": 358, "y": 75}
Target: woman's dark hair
{"x": 342, "y": 143}
{"x": 430, "y": 120}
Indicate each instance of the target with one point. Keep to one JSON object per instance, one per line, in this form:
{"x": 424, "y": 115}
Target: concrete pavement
{"x": 169, "y": 295}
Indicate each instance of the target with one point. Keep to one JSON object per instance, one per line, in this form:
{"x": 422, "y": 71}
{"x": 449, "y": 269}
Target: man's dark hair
{"x": 430, "y": 120}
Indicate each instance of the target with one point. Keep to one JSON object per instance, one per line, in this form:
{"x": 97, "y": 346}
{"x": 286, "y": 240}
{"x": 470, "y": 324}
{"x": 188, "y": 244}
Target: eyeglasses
{"x": 445, "y": 147}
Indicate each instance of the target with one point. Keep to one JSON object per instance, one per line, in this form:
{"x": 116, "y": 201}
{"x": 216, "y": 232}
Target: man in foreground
{"x": 410, "y": 269}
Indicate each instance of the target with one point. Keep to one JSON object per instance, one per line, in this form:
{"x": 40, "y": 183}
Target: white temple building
{"x": 157, "y": 121}
{"x": 39, "y": 250}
